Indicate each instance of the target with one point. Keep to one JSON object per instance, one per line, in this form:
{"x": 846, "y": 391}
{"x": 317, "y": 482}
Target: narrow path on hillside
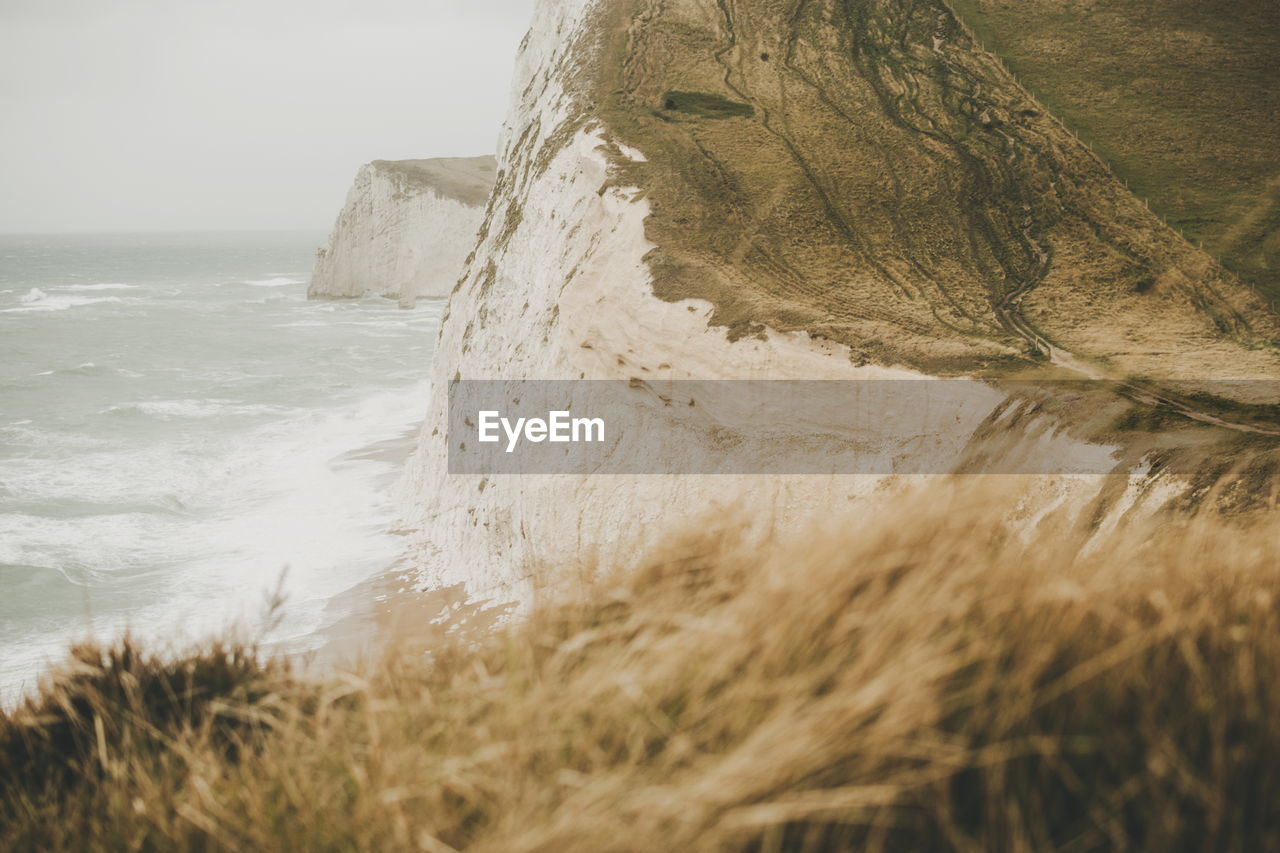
{"x": 991, "y": 158}
{"x": 1009, "y": 310}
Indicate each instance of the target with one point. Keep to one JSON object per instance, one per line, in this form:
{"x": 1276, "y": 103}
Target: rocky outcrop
{"x": 717, "y": 190}
{"x": 406, "y": 229}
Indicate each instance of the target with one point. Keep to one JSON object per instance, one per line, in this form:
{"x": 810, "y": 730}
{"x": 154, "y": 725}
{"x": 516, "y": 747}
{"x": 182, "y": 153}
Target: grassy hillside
{"x": 927, "y": 679}
{"x": 1182, "y": 98}
{"x": 865, "y": 172}
{"x": 465, "y": 179}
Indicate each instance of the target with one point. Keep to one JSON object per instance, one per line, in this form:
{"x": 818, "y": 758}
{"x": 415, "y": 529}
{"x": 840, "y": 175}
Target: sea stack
{"x": 405, "y": 230}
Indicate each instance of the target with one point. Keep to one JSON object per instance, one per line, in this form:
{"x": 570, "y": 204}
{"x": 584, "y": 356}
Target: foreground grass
{"x": 927, "y": 680}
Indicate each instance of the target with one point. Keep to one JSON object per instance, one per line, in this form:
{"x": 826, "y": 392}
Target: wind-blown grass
{"x": 927, "y": 680}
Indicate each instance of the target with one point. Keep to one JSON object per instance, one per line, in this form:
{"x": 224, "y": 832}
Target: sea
{"x": 185, "y": 438}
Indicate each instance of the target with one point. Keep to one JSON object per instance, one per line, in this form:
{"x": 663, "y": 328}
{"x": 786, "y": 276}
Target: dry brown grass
{"x": 924, "y": 680}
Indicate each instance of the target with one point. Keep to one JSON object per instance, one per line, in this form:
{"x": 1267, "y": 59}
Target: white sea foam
{"x": 37, "y": 300}
{"x": 291, "y": 495}
{"x": 306, "y": 505}
{"x": 60, "y": 470}
{"x": 161, "y": 469}
{"x": 120, "y": 541}
{"x": 168, "y": 409}
{"x": 91, "y": 368}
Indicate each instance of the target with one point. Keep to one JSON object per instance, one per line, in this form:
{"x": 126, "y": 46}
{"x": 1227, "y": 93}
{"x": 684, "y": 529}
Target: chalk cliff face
{"x": 406, "y": 229}
{"x": 723, "y": 190}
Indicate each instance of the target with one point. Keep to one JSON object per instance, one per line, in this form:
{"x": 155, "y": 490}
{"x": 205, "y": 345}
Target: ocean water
{"x": 180, "y": 429}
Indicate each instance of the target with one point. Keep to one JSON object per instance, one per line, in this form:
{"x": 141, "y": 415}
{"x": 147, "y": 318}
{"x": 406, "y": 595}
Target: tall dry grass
{"x": 924, "y": 680}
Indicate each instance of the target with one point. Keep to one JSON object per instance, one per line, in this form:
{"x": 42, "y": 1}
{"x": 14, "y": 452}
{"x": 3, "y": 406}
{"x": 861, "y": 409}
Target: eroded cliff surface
{"x": 406, "y": 229}
{"x": 816, "y": 190}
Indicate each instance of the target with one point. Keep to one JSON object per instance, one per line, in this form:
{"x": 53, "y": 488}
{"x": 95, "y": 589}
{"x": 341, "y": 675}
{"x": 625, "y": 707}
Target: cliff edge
{"x": 744, "y": 189}
{"x": 405, "y": 230}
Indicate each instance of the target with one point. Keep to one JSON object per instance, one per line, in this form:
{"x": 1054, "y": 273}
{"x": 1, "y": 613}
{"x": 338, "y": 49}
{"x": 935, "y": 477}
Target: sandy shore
{"x": 385, "y": 614}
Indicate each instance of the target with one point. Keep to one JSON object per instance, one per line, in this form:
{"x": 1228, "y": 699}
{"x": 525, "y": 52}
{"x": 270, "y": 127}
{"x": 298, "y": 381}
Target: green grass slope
{"x": 1181, "y": 97}
{"x": 865, "y": 172}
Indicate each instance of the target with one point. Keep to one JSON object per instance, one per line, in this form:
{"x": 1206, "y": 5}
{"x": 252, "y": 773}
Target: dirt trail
{"x": 1009, "y": 309}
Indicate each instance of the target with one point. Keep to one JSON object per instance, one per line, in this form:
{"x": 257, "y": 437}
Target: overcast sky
{"x": 135, "y": 115}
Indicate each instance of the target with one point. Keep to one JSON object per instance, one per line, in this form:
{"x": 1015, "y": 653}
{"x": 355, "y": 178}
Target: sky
{"x": 235, "y": 115}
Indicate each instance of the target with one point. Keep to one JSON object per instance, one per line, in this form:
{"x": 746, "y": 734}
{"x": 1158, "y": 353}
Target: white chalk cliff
{"x": 561, "y": 287}
{"x": 406, "y": 229}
